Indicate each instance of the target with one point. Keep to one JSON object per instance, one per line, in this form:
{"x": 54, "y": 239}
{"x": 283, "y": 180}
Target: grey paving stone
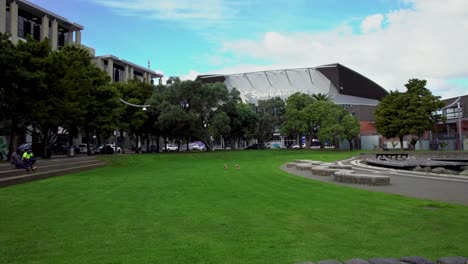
{"x": 384, "y": 261}
{"x": 356, "y": 261}
{"x": 329, "y": 261}
{"x": 416, "y": 260}
{"x": 452, "y": 260}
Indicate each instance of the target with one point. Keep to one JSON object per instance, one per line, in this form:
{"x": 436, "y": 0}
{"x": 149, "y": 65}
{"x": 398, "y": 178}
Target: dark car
{"x": 255, "y": 146}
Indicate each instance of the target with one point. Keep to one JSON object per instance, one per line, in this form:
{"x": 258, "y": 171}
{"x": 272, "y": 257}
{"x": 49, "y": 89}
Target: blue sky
{"x": 389, "y": 41}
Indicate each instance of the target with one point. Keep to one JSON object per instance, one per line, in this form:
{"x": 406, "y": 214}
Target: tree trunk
{"x": 157, "y": 144}
{"x": 45, "y": 142}
{"x": 350, "y": 144}
{"x": 12, "y": 145}
{"x": 401, "y": 143}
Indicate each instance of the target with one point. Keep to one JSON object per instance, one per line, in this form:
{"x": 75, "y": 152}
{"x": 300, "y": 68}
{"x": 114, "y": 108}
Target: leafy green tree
{"x": 390, "y": 116}
{"x": 241, "y": 119}
{"x": 422, "y": 105}
{"x": 350, "y": 129}
{"x": 409, "y": 113}
{"x": 204, "y": 102}
{"x": 321, "y": 97}
{"x": 296, "y": 116}
{"x": 133, "y": 119}
{"x": 21, "y": 76}
{"x": 270, "y": 117}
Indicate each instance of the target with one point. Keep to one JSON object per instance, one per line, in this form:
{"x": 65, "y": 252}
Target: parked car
{"x": 297, "y": 146}
{"x": 195, "y": 146}
{"x": 171, "y": 147}
{"x": 255, "y": 146}
{"x": 108, "y": 149}
{"x": 84, "y": 149}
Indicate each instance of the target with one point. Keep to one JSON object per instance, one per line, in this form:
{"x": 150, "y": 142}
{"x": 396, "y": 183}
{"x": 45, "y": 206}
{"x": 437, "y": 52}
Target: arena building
{"x": 344, "y": 85}
{"x": 355, "y": 92}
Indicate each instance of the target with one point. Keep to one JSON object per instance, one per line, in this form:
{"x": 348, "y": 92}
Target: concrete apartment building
{"x": 121, "y": 70}
{"x": 21, "y": 18}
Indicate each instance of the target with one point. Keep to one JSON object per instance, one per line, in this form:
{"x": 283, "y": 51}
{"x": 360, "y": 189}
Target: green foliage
{"x": 313, "y": 118}
{"x": 321, "y": 97}
{"x": 443, "y": 144}
{"x": 409, "y": 113}
{"x": 270, "y": 117}
{"x": 350, "y": 129}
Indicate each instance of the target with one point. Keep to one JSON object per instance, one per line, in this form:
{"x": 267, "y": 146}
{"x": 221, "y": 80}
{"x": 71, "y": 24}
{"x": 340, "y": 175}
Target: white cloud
{"x": 428, "y": 40}
{"x": 372, "y": 23}
{"x": 177, "y": 10}
{"x": 192, "y": 75}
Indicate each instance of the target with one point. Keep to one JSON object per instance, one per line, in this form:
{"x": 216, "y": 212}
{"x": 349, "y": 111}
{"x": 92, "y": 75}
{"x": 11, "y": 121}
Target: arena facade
{"x": 344, "y": 85}
{"x": 355, "y": 92}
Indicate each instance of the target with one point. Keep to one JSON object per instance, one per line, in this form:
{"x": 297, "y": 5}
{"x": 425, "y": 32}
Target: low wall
{"x": 403, "y": 260}
{"x": 425, "y": 154}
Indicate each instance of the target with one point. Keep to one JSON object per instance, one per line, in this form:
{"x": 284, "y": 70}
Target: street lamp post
{"x": 460, "y": 138}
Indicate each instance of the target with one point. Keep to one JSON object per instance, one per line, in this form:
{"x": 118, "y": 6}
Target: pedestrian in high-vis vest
{"x": 28, "y": 159}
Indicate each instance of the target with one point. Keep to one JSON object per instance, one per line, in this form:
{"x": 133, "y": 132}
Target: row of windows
{"x": 29, "y": 25}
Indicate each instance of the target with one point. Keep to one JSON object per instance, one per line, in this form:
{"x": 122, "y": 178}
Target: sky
{"x": 388, "y": 41}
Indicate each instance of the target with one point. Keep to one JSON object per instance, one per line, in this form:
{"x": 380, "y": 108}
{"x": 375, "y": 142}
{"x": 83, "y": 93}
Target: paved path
{"x": 439, "y": 187}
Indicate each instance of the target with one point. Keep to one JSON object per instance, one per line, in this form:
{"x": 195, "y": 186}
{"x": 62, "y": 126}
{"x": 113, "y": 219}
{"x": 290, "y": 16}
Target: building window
{"x": 21, "y": 27}
{"x": 8, "y": 22}
{"x": 118, "y": 73}
{"x": 37, "y": 32}
{"x": 452, "y": 113}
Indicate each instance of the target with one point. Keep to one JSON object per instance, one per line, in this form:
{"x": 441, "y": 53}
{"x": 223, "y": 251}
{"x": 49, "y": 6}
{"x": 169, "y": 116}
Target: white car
{"x": 83, "y": 148}
{"x": 119, "y": 150}
{"x": 172, "y": 148}
{"x": 195, "y": 146}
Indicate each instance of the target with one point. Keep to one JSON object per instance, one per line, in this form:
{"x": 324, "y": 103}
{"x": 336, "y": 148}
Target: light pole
{"x": 460, "y": 138}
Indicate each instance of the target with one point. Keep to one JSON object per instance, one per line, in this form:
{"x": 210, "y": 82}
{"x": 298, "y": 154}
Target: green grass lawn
{"x": 185, "y": 208}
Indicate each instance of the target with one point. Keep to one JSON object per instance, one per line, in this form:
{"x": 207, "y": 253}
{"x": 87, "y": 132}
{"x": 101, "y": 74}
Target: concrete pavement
{"x": 439, "y": 187}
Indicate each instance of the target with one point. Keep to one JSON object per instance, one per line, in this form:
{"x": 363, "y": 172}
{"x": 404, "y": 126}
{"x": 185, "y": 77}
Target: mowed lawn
{"x": 185, "y": 208}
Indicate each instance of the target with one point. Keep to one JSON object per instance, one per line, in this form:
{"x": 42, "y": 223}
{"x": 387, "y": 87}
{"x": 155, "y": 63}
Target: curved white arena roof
{"x": 263, "y": 85}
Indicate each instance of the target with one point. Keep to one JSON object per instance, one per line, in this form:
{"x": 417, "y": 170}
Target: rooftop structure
{"x": 344, "y": 86}
{"x": 121, "y": 70}
{"x": 21, "y": 18}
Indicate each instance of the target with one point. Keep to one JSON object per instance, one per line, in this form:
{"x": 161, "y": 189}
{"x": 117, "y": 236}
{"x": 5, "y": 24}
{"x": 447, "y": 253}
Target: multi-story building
{"x": 121, "y": 70}
{"x": 453, "y": 130}
{"x": 21, "y": 18}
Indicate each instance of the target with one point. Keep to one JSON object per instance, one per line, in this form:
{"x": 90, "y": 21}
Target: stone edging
{"x": 340, "y": 173}
{"x": 403, "y": 260}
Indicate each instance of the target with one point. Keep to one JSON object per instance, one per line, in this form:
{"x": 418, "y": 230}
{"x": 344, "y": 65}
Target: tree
{"x": 350, "y": 130}
{"x": 421, "y": 107}
{"x": 295, "y": 123}
{"x": 321, "y": 97}
{"x": 270, "y": 116}
{"x": 133, "y": 119}
{"x": 390, "y": 114}
{"x": 204, "y": 102}
{"x": 21, "y": 76}
{"x": 400, "y": 114}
